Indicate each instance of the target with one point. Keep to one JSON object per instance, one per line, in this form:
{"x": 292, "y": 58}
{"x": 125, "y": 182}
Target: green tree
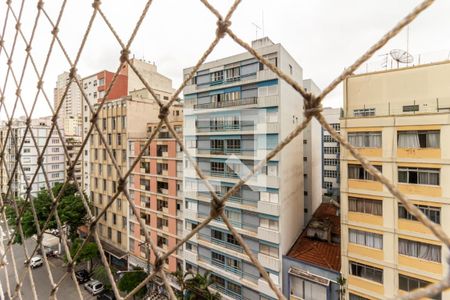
{"x": 131, "y": 280}
{"x": 195, "y": 286}
{"x": 101, "y": 275}
{"x": 87, "y": 253}
{"x": 71, "y": 211}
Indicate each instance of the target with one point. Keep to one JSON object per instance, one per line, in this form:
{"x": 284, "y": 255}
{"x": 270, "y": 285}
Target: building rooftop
{"x": 319, "y": 243}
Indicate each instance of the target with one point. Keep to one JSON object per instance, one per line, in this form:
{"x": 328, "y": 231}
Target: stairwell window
{"x": 368, "y": 239}
{"x": 419, "y": 250}
{"x": 358, "y": 172}
{"x": 432, "y": 213}
{"x": 366, "y": 272}
{"x": 418, "y": 139}
{"x": 365, "y": 139}
{"x": 418, "y": 176}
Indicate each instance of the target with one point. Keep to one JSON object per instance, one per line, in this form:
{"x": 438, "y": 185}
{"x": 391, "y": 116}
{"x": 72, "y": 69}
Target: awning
{"x": 118, "y": 253}
{"x": 309, "y": 276}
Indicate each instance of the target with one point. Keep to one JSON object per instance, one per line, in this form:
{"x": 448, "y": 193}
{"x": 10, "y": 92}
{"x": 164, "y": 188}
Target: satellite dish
{"x": 401, "y": 56}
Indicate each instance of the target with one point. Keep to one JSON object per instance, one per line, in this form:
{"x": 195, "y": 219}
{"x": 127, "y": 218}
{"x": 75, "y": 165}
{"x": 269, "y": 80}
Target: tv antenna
{"x": 401, "y": 56}
{"x": 256, "y": 29}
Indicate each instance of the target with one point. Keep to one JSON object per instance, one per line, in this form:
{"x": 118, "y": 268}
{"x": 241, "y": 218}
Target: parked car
{"x": 106, "y": 295}
{"x": 82, "y": 276}
{"x": 36, "y": 261}
{"x": 94, "y": 287}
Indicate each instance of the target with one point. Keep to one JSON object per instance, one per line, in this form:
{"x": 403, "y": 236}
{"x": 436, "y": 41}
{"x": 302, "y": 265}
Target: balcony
{"x": 190, "y": 214}
{"x": 190, "y": 256}
{"x": 208, "y": 238}
{"x": 268, "y": 208}
{"x": 230, "y": 103}
{"x": 268, "y": 235}
{"x": 263, "y": 287}
{"x": 269, "y": 262}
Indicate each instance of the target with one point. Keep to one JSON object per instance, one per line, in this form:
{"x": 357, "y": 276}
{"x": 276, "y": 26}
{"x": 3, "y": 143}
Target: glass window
{"x": 358, "y": 172}
{"x": 418, "y": 176}
{"x": 366, "y": 206}
{"x": 419, "y": 250}
{"x": 418, "y": 139}
{"x": 368, "y": 239}
{"x": 432, "y": 213}
{"x": 365, "y": 139}
{"x": 367, "y": 272}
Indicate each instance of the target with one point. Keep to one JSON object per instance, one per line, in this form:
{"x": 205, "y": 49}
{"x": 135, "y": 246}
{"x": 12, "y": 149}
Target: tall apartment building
{"x": 96, "y": 85}
{"x": 157, "y": 188}
{"x": 331, "y": 154}
{"x": 119, "y": 120}
{"x": 312, "y": 160}
{"x": 70, "y": 113}
{"x": 236, "y": 111}
{"x": 53, "y": 162}
{"x": 399, "y": 120}
{"x": 73, "y": 144}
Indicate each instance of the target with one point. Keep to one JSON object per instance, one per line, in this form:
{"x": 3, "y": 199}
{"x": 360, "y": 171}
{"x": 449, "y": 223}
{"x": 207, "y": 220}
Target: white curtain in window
{"x": 408, "y": 140}
{"x": 352, "y": 236}
{"x": 353, "y": 172}
{"x": 433, "y": 178}
{"x": 375, "y": 140}
{"x": 433, "y": 139}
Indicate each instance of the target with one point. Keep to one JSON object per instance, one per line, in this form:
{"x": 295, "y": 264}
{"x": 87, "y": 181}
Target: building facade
{"x": 331, "y": 154}
{"x": 236, "y": 111}
{"x": 156, "y": 186}
{"x": 312, "y": 160}
{"x": 53, "y": 158}
{"x": 119, "y": 120}
{"x": 399, "y": 120}
{"x": 70, "y": 113}
{"x": 95, "y": 87}
{"x": 312, "y": 267}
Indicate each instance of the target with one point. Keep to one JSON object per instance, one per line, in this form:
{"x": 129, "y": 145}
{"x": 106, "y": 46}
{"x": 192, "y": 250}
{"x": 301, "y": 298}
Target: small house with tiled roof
{"x": 312, "y": 266}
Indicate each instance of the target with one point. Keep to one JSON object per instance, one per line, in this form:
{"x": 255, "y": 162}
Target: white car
{"x": 36, "y": 261}
{"x": 94, "y": 287}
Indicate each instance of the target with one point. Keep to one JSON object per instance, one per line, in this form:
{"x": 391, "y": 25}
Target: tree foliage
{"x": 87, "y": 253}
{"x": 131, "y": 280}
{"x": 71, "y": 212}
{"x": 101, "y": 274}
{"x": 195, "y": 286}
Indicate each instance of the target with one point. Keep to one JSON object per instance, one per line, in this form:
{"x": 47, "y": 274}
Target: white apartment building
{"x": 312, "y": 160}
{"x": 70, "y": 113}
{"x": 330, "y": 153}
{"x": 53, "y": 158}
{"x": 236, "y": 111}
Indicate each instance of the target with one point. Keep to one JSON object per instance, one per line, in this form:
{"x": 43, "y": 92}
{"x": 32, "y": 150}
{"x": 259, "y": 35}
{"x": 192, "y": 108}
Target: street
{"x": 66, "y": 291}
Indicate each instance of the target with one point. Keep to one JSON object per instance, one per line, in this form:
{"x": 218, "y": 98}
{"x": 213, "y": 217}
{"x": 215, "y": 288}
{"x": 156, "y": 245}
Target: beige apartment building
{"x": 398, "y": 119}
{"x": 119, "y": 120}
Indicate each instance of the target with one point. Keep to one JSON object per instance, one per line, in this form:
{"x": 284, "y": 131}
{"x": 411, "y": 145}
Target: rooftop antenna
{"x": 407, "y": 41}
{"x": 256, "y": 29}
{"x": 384, "y": 63}
{"x": 401, "y": 56}
{"x": 262, "y": 20}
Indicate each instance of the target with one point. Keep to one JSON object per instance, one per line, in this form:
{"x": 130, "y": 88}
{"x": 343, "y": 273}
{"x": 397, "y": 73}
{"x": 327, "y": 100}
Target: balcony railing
{"x": 229, "y": 103}
{"x": 208, "y": 238}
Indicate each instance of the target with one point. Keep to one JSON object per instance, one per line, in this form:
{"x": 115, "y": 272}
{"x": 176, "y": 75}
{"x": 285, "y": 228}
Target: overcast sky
{"x": 324, "y": 36}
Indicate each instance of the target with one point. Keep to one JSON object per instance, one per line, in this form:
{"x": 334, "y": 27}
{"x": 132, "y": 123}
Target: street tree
{"x": 131, "y": 279}
{"x": 71, "y": 212}
{"x": 87, "y": 253}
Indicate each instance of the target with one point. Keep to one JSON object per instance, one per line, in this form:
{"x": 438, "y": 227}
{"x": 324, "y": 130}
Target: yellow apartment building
{"x": 400, "y": 120}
